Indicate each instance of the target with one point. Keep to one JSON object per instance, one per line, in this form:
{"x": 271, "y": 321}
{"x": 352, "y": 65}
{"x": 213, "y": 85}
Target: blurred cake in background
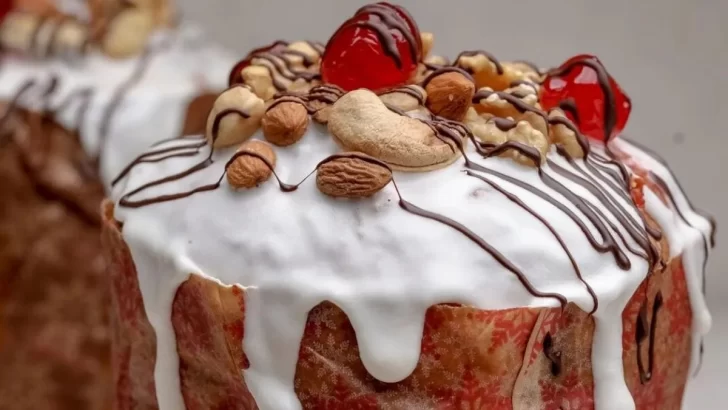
{"x": 123, "y": 78}
{"x": 366, "y": 226}
{"x": 84, "y": 87}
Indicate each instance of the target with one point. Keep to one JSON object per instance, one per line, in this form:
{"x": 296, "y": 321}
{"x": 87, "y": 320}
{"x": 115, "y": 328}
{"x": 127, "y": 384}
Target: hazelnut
{"x": 285, "y": 122}
{"x": 248, "y": 170}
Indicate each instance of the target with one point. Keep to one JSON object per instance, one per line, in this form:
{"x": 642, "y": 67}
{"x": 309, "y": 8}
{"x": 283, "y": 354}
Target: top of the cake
{"x": 370, "y": 174}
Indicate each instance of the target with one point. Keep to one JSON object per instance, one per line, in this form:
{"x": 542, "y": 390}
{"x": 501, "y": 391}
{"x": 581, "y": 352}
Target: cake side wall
{"x": 133, "y": 339}
{"x": 469, "y": 356}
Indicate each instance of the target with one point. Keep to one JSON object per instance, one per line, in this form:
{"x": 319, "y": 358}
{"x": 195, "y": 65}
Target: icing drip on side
{"x": 390, "y": 342}
{"x": 687, "y": 230}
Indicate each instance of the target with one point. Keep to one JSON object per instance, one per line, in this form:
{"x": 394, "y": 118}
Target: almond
{"x": 449, "y": 95}
{"x": 285, "y": 122}
{"x": 352, "y": 175}
{"x": 248, "y": 169}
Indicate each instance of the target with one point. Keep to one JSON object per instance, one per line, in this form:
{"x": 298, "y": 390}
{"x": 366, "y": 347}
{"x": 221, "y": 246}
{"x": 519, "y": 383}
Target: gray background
{"x": 670, "y": 56}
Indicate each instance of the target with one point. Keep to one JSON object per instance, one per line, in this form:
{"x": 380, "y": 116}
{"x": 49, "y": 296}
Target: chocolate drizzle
{"x": 277, "y": 59}
{"x": 51, "y": 26}
{"x": 569, "y": 106}
{"x": 410, "y": 90}
{"x": 515, "y": 101}
{"x": 385, "y": 20}
{"x": 646, "y": 329}
{"x": 443, "y": 70}
{"x": 504, "y": 124}
{"x": 489, "y": 56}
{"x": 610, "y": 100}
{"x": 533, "y": 66}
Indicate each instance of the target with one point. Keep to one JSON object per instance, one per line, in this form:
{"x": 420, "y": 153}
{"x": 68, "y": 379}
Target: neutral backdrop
{"x": 670, "y": 56}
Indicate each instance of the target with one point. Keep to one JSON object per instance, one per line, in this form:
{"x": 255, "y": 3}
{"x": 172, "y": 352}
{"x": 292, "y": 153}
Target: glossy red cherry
{"x": 601, "y": 107}
{"x": 402, "y": 12}
{"x": 234, "y": 77}
{"x": 378, "y": 48}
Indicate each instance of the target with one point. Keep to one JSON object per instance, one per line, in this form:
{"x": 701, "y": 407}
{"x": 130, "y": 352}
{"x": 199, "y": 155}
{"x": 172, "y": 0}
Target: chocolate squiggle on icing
{"x": 188, "y": 150}
{"x": 285, "y": 187}
{"x": 639, "y": 234}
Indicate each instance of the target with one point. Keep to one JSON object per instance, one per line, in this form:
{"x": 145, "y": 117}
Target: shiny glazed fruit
{"x": 378, "y": 48}
{"x": 602, "y": 107}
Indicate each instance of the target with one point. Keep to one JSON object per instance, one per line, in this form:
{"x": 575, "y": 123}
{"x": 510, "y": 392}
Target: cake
{"x": 367, "y": 226}
{"x": 72, "y": 112}
{"x": 119, "y": 104}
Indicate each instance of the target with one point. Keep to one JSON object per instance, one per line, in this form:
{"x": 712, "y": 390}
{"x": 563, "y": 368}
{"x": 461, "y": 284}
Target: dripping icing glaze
{"x": 145, "y": 228}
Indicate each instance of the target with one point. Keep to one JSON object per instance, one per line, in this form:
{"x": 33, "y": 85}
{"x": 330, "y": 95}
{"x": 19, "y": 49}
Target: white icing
{"x": 380, "y": 264}
{"x": 691, "y": 237}
{"x": 183, "y": 65}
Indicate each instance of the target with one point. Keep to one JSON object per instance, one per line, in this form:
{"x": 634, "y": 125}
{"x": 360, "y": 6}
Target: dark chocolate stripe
{"x": 610, "y": 100}
{"x": 569, "y": 106}
{"x": 194, "y": 147}
{"x": 444, "y": 70}
{"x": 513, "y": 198}
{"x": 489, "y": 56}
{"x": 412, "y": 91}
{"x": 631, "y": 226}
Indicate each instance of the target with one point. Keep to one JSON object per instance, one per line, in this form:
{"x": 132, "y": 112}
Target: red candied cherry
{"x": 402, "y": 12}
{"x": 602, "y": 108}
{"x": 378, "y": 48}
{"x": 234, "y": 77}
